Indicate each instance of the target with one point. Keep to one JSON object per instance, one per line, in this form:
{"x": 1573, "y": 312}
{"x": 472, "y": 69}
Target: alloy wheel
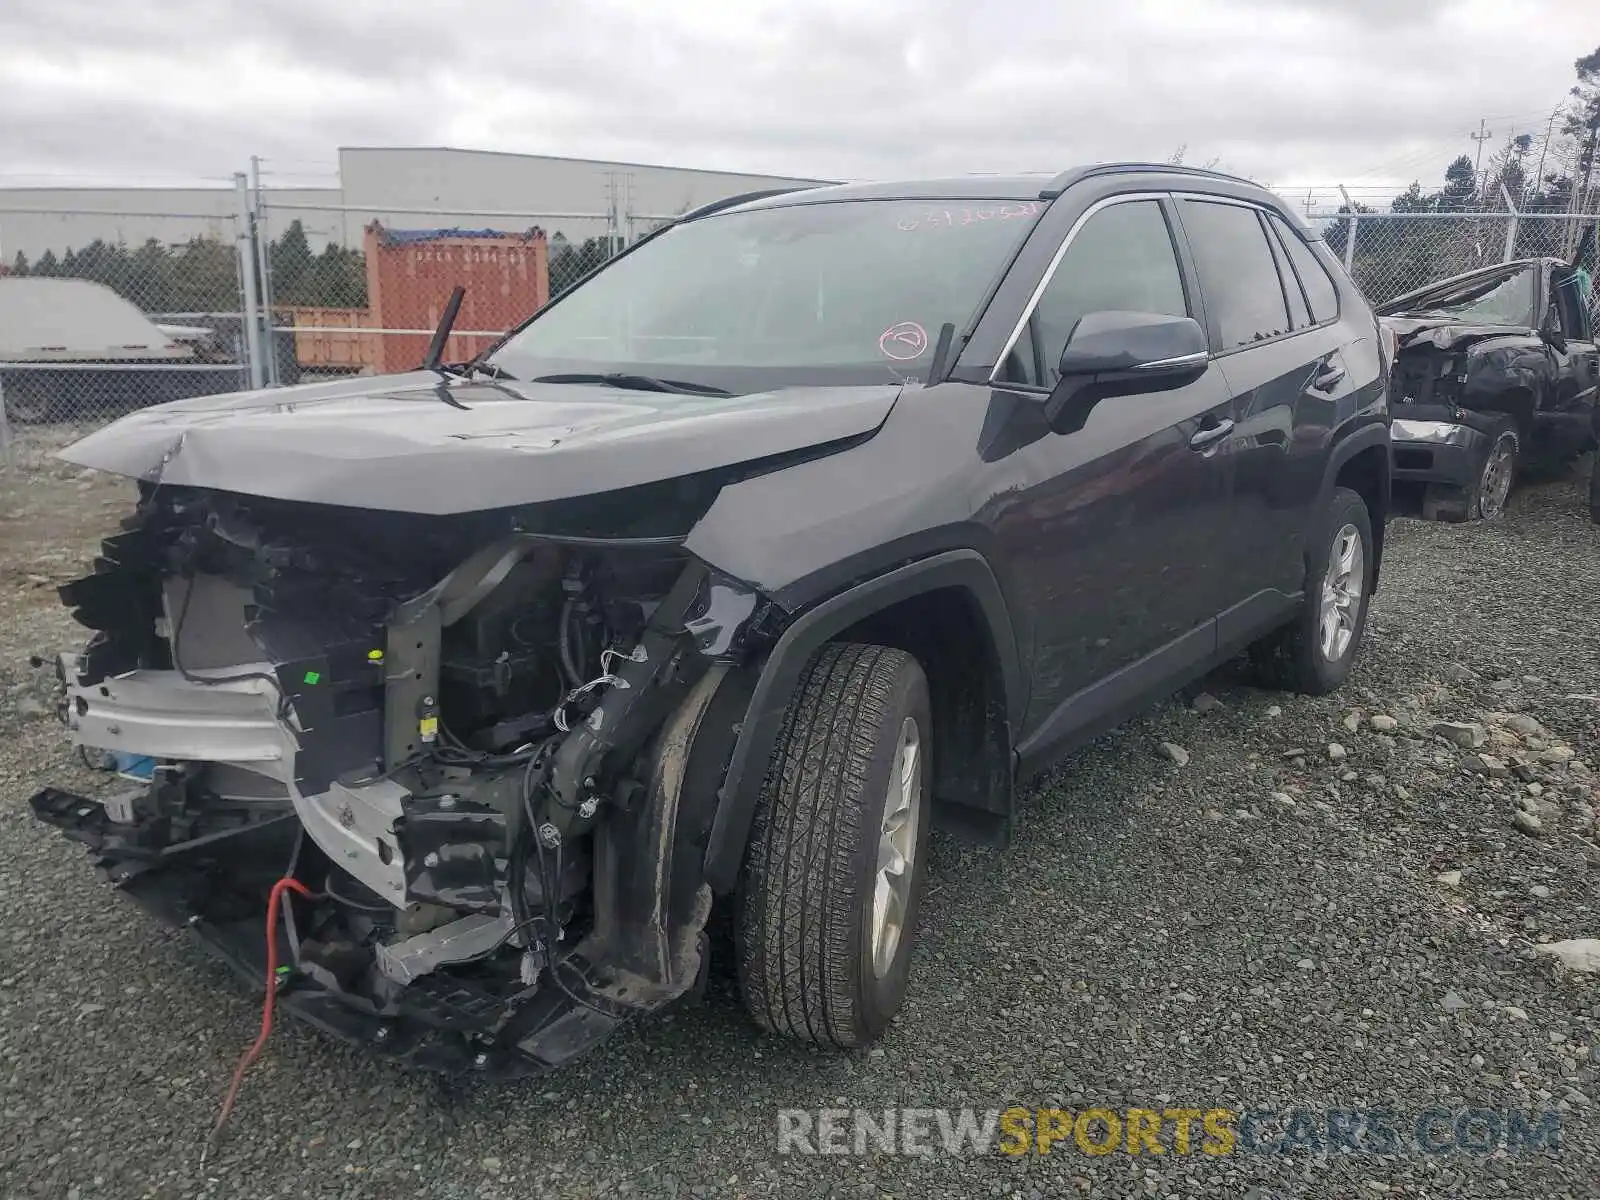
{"x": 897, "y": 847}
{"x": 1342, "y": 586}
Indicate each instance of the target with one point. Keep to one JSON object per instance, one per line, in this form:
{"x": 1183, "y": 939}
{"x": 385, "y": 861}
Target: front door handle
{"x": 1328, "y": 378}
{"x": 1209, "y": 434}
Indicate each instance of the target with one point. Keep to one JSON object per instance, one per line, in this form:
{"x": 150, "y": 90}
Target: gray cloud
{"x": 1279, "y": 89}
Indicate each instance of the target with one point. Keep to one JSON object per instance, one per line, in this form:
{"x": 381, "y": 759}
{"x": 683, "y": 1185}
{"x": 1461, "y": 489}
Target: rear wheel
{"x": 1594, "y": 489}
{"x": 1485, "y": 499}
{"x": 833, "y": 876}
{"x": 1314, "y": 652}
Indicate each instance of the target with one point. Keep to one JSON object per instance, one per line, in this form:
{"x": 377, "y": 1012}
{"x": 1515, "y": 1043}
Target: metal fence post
{"x": 1350, "y": 235}
{"x": 7, "y": 458}
{"x": 264, "y": 267}
{"x": 1511, "y": 226}
{"x": 244, "y": 241}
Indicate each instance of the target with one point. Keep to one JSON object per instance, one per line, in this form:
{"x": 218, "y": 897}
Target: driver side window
{"x": 1122, "y": 258}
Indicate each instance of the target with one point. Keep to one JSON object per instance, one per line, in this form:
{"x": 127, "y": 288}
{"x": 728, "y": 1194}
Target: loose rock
{"x": 1577, "y": 954}
{"x": 1469, "y": 735}
{"x": 1175, "y": 753}
{"x": 1487, "y": 764}
{"x": 1383, "y": 723}
{"x": 1520, "y": 723}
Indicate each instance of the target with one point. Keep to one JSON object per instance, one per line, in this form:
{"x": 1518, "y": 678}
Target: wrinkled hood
{"x": 399, "y": 444}
{"x": 1446, "y": 334}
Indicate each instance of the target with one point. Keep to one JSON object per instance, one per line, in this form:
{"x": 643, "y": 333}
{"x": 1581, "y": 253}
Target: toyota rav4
{"x": 457, "y": 698}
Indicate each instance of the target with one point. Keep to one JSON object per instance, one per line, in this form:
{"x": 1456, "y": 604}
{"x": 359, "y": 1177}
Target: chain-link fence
{"x": 1389, "y": 254}
{"x": 93, "y": 329}
{"x": 275, "y": 293}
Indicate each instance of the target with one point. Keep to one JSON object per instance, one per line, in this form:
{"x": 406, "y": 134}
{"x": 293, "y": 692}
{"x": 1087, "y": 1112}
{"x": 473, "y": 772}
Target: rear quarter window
{"x": 1320, "y": 292}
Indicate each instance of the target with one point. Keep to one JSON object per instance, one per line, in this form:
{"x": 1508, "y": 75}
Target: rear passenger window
{"x": 1121, "y": 259}
{"x": 1237, "y": 275}
{"x": 1320, "y": 292}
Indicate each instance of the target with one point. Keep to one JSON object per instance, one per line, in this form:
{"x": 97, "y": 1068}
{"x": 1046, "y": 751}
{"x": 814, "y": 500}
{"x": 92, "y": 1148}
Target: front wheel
{"x": 833, "y": 876}
{"x": 1314, "y": 653}
{"x": 1485, "y": 498}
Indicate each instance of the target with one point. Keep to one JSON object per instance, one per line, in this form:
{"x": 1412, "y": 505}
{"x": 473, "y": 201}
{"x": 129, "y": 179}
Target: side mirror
{"x": 1118, "y": 353}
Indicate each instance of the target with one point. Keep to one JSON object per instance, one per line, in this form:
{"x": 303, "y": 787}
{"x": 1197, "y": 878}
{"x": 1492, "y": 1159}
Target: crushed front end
{"x": 487, "y": 744}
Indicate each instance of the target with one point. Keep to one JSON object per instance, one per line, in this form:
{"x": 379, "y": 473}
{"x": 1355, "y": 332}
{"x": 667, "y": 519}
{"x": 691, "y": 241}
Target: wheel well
{"x": 944, "y": 630}
{"x": 1519, "y": 406}
{"x": 1366, "y": 473}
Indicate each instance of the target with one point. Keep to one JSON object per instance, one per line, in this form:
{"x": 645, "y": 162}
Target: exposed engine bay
{"x": 467, "y": 738}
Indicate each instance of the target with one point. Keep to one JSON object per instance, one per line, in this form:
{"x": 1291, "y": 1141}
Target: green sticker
{"x": 313, "y": 676}
{"x": 284, "y": 970}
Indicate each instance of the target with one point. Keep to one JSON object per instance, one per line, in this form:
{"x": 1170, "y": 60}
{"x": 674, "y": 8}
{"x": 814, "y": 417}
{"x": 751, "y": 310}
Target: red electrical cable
{"x": 250, "y": 1055}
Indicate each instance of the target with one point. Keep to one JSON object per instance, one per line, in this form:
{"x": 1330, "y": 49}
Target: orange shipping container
{"x": 410, "y": 274}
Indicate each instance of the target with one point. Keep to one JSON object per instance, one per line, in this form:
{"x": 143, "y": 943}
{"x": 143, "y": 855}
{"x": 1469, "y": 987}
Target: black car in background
{"x": 808, "y": 522}
{"x": 1495, "y": 370}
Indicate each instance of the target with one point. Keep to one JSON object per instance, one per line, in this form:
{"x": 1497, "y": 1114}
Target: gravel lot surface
{"x": 1252, "y": 929}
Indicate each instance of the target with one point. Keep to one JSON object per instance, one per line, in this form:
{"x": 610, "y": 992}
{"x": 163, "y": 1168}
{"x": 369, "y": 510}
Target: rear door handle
{"x": 1328, "y": 378}
{"x": 1211, "y": 433}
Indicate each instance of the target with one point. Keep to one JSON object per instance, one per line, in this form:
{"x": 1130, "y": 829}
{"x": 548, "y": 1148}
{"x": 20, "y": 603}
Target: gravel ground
{"x": 1252, "y": 929}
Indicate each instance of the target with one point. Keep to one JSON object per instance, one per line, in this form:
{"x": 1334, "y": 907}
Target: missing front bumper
{"x": 1427, "y": 451}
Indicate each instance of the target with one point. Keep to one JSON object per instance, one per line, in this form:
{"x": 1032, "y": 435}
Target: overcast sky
{"x": 1370, "y": 92}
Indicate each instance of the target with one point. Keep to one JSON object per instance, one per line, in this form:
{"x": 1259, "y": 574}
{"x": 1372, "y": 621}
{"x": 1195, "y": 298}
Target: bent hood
{"x": 401, "y": 444}
{"x": 1445, "y": 334}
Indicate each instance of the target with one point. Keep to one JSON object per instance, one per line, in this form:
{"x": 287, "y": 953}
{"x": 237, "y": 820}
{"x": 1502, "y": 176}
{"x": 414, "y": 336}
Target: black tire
{"x": 803, "y": 918}
{"x": 1486, "y": 498}
{"x": 1292, "y": 658}
{"x": 1594, "y": 489}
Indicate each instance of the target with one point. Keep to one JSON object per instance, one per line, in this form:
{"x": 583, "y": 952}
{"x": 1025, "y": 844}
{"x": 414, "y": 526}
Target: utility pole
{"x": 1482, "y": 136}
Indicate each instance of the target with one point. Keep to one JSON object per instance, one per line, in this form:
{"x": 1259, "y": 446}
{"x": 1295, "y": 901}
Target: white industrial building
{"x": 404, "y": 187}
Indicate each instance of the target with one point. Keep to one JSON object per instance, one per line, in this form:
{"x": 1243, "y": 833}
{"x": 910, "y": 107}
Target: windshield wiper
{"x": 434, "y": 360}
{"x": 637, "y": 383}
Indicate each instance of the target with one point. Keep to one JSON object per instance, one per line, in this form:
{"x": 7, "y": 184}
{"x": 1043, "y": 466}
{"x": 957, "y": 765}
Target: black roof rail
{"x": 1073, "y": 174}
{"x": 716, "y": 206}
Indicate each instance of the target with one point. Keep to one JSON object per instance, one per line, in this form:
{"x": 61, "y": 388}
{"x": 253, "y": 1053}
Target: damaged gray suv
{"x": 812, "y": 521}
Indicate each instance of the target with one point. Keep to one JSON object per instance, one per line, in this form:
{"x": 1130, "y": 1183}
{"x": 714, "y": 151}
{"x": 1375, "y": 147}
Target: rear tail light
{"x": 1389, "y": 345}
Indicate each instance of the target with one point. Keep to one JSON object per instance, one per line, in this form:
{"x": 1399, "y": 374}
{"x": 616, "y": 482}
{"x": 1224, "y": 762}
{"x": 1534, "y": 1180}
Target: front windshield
{"x": 1508, "y": 301}
{"x": 834, "y": 292}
